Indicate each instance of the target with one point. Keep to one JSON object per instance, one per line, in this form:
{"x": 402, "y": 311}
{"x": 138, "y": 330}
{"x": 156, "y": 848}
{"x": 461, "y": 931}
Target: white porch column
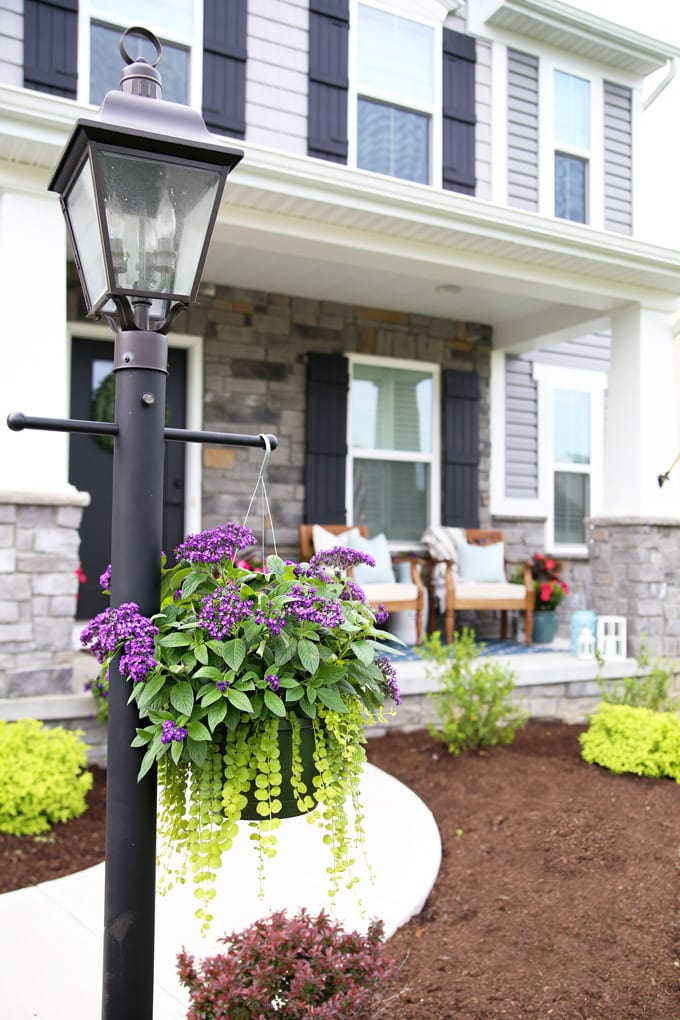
{"x": 35, "y": 369}
{"x": 642, "y": 438}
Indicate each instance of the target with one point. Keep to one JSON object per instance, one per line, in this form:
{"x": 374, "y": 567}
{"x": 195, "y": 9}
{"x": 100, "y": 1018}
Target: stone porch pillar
{"x": 634, "y": 541}
{"x": 40, "y": 512}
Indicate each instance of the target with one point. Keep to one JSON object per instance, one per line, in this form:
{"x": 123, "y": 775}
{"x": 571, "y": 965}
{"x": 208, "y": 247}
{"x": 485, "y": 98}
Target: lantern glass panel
{"x": 81, "y": 208}
{"x": 158, "y": 215}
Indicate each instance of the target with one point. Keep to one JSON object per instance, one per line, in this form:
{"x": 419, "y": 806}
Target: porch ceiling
{"x": 300, "y": 226}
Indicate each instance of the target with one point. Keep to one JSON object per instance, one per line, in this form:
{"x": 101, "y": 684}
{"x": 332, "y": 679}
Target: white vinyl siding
{"x": 523, "y": 134}
{"x": 276, "y": 74}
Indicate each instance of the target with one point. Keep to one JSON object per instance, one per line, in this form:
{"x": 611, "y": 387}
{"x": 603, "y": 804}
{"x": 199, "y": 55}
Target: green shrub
{"x": 43, "y": 776}
{"x": 649, "y": 691}
{"x": 625, "y": 738}
{"x": 474, "y": 701}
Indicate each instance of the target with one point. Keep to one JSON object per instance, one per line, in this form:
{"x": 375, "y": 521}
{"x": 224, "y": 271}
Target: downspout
{"x": 672, "y": 65}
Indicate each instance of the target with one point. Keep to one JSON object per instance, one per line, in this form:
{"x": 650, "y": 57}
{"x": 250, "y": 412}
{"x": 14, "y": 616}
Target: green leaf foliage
{"x": 475, "y": 698}
{"x": 43, "y": 776}
{"x": 626, "y": 738}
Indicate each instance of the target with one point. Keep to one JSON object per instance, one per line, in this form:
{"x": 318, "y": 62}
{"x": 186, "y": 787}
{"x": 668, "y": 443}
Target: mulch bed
{"x": 558, "y": 894}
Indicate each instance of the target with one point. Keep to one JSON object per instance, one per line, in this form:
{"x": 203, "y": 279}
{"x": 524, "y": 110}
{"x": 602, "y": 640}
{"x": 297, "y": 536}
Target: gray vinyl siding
{"x": 521, "y": 407}
{"x": 12, "y": 42}
{"x": 521, "y": 430}
{"x": 276, "y": 74}
{"x": 618, "y": 158}
{"x": 522, "y": 130}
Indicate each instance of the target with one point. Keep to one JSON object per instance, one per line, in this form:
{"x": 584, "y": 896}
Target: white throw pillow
{"x": 323, "y": 539}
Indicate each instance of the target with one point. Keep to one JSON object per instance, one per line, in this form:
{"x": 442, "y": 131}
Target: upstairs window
{"x": 572, "y": 146}
{"x": 106, "y": 64}
{"x": 392, "y": 461}
{"x": 395, "y": 80}
{"x": 100, "y": 62}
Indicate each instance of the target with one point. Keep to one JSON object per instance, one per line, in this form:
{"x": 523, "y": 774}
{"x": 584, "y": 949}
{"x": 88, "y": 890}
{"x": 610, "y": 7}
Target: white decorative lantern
{"x": 611, "y": 637}
{"x": 585, "y": 645}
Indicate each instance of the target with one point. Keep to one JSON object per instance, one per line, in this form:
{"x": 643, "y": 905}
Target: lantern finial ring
{"x": 144, "y": 33}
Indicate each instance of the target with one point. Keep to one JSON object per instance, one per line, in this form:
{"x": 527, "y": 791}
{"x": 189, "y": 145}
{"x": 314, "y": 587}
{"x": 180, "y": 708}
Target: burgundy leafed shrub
{"x": 289, "y": 968}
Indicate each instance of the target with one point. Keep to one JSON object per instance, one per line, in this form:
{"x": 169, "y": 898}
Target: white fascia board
{"x": 574, "y": 30}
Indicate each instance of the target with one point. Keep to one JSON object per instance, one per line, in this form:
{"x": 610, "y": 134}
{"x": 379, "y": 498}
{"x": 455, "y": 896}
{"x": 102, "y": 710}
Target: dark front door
{"x": 91, "y": 460}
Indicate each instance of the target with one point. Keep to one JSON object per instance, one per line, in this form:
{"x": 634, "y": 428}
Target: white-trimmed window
{"x": 100, "y": 62}
{"x": 393, "y": 446}
{"x": 395, "y": 98}
{"x": 571, "y": 451}
{"x": 572, "y": 133}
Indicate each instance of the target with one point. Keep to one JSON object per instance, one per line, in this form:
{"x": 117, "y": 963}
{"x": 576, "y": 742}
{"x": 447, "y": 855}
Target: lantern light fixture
{"x": 140, "y": 185}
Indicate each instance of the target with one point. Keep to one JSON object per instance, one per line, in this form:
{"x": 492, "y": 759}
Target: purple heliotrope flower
{"x": 310, "y": 604}
{"x": 123, "y": 625}
{"x": 216, "y": 544}
{"x": 389, "y": 684}
{"x": 273, "y": 681}
{"x": 222, "y": 610}
{"x": 340, "y": 559}
{"x": 105, "y": 579}
{"x": 381, "y": 614}
{"x": 171, "y": 731}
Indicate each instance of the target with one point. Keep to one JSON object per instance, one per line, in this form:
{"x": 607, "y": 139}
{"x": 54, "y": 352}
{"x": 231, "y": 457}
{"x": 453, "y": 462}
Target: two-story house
{"x": 427, "y": 279}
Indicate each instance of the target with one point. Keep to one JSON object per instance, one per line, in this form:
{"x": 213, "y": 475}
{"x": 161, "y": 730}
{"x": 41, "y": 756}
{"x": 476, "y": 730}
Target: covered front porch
{"x": 553, "y": 683}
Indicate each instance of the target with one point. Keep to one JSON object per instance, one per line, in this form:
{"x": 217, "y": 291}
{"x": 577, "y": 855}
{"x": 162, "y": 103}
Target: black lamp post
{"x": 140, "y": 185}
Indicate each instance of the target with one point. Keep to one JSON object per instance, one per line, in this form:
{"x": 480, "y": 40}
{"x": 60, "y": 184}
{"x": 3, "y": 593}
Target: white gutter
{"x": 672, "y": 66}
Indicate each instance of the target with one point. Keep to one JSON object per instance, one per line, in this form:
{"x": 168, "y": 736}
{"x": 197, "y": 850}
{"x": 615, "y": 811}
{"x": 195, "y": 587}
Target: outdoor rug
{"x": 490, "y": 647}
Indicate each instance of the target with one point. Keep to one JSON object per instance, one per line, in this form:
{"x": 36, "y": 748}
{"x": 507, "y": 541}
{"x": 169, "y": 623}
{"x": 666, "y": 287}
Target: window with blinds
{"x": 571, "y": 105}
{"x": 391, "y": 447}
{"x": 572, "y": 462}
{"x": 395, "y": 94}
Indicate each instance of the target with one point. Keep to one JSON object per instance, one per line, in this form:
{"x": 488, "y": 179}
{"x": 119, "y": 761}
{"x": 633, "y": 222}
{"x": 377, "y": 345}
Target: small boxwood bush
{"x": 625, "y": 738}
{"x": 43, "y": 776}
{"x": 290, "y": 968}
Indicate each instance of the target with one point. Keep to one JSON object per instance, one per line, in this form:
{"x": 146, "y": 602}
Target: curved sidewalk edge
{"x": 51, "y": 934}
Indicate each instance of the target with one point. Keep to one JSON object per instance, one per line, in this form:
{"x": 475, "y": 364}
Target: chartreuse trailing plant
{"x": 648, "y": 687}
{"x": 238, "y": 673}
{"x": 43, "y": 776}
{"x": 474, "y": 700}
{"x": 290, "y": 968}
{"x": 626, "y": 738}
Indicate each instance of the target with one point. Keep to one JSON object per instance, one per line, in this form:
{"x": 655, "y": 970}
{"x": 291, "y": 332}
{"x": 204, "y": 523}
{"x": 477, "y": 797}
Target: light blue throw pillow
{"x": 382, "y": 572}
{"x": 481, "y": 563}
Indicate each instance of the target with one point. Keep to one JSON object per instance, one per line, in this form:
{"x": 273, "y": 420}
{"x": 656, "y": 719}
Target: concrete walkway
{"x": 51, "y": 934}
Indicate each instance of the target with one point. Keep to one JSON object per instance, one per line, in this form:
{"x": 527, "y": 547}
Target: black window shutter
{"x": 328, "y": 82}
{"x": 460, "y": 489}
{"x": 51, "y": 46}
{"x": 326, "y": 439}
{"x": 224, "y": 66}
{"x": 459, "y": 112}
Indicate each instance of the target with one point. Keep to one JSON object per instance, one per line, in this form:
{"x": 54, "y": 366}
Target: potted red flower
{"x": 550, "y": 589}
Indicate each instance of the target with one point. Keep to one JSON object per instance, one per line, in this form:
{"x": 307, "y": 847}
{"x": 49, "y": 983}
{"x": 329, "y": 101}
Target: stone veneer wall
{"x": 254, "y": 370}
{"x": 635, "y": 567}
{"x": 39, "y": 542}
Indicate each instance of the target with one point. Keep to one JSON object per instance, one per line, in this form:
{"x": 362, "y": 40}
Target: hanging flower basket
{"x": 253, "y": 690}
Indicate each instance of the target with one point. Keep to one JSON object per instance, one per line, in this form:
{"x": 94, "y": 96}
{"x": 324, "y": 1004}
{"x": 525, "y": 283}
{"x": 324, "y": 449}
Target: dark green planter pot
{"x": 544, "y": 627}
{"x": 289, "y": 807}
